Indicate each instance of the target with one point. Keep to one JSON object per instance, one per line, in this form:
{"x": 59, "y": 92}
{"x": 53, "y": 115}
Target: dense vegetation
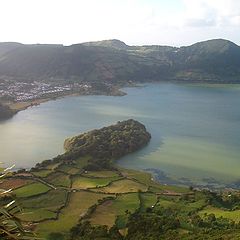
{"x": 114, "y": 62}
{"x": 83, "y": 195}
{"x": 105, "y": 144}
{"x": 180, "y": 219}
{"x": 5, "y": 112}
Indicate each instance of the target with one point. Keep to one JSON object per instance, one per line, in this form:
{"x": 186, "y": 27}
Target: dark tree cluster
{"x": 5, "y": 112}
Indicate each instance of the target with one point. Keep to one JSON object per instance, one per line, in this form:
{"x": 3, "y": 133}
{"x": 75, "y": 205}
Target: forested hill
{"x": 104, "y": 145}
{"x": 114, "y": 62}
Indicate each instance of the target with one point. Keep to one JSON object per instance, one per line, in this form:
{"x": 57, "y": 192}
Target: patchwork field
{"x": 31, "y": 190}
{"x": 107, "y": 212}
{"x": 14, "y": 183}
{"x": 100, "y": 174}
{"x": 124, "y": 186}
{"x": 79, "y": 182}
{"x": 147, "y": 200}
{"x": 36, "y": 215}
{"x": 233, "y": 215}
{"x": 69, "y": 169}
{"x": 52, "y": 200}
{"x": 77, "y": 207}
{"x": 42, "y": 173}
{"x": 59, "y": 179}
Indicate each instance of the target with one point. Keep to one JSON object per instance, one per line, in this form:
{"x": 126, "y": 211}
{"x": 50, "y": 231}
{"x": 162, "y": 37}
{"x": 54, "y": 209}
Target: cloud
{"x": 218, "y": 13}
{"x": 174, "y": 22}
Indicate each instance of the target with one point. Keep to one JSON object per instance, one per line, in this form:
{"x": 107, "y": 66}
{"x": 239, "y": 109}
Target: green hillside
{"x": 114, "y": 62}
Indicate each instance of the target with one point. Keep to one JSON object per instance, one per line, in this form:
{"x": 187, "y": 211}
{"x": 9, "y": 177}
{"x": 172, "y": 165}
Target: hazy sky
{"x": 136, "y": 22}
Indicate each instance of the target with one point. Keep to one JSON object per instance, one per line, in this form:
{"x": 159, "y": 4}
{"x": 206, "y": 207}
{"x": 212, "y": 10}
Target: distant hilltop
{"x": 114, "y": 62}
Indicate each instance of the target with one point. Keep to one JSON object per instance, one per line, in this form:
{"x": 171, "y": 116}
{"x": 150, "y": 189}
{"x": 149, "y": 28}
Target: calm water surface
{"x": 195, "y": 128}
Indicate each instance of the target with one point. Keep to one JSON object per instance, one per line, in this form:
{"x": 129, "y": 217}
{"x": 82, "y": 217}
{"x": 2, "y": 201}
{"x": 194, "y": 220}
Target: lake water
{"x": 195, "y": 128}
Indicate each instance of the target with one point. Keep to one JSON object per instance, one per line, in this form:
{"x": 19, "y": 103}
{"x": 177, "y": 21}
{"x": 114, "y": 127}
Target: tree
{"x": 55, "y": 236}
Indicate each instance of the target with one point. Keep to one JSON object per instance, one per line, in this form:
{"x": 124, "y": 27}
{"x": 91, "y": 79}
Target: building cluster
{"x": 25, "y": 91}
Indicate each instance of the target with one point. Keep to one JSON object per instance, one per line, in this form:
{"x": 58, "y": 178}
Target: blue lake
{"x": 195, "y": 128}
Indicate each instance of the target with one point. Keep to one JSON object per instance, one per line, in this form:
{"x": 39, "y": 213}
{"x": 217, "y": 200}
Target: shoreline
{"x": 20, "y": 106}
{"x": 115, "y": 91}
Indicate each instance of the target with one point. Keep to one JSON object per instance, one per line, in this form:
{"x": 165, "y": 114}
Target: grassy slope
{"x": 124, "y": 186}
{"x": 107, "y": 212}
{"x": 233, "y": 215}
{"x": 86, "y": 182}
{"x": 31, "y": 190}
{"x": 36, "y": 214}
{"x": 69, "y": 216}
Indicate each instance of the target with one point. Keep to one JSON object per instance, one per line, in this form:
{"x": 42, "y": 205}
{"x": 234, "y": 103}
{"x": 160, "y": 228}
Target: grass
{"x": 14, "y": 183}
{"x": 82, "y": 161}
{"x": 42, "y": 173}
{"x": 143, "y": 177}
{"x": 59, "y": 179}
{"x": 148, "y": 200}
{"x": 79, "y": 182}
{"x": 53, "y": 200}
{"x": 36, "y": 214}
{"x": 123, "y": 186}
{"x": 101, "y": 174}
{"x": 183, "y": 207}
{"x": 233, "y": 215}
{"x": 171, "y": 188}
{"x": 31, "y": 190}
{"x": 69, "y": 216}
{"x": 107, "y": 212}
{"x": 52, "y": 166}
{"x": 146, "y": 178}
{"x": 69, "y": 169}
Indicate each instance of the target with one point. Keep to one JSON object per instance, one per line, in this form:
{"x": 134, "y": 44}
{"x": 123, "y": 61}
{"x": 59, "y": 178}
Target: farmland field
{"x": 148, "y": 200}
{"x": 233, "y": 215}
{"x": 101, "y": 174}
{"x": 68, "y": 169}
{"x": 42, "y": 173}
{"x": 124, "y": 186}
{"x": 31, "y": 190}
{"x": 69, "y": 216}
{"x": 51, "y": 200}
{"x": 14, "y": 183}
{"x": 36, "y": 214}
{"x": 59, "y": 179}
{"x": 107, "y": 212}
{"x": 85, "y": 182}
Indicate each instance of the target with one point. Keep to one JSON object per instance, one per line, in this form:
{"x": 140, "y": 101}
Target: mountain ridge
{"x": 114, "y": 62}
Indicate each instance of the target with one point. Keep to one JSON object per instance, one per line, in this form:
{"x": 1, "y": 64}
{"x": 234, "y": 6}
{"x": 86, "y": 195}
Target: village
{"x": 25, "y": 91}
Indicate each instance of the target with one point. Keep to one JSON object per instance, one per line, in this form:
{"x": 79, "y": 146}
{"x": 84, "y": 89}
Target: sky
{"x": 136, "y": 22}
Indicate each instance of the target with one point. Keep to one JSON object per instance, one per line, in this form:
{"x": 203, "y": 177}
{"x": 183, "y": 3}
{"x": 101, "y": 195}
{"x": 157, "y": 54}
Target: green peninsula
{"x": 82, "y": 194}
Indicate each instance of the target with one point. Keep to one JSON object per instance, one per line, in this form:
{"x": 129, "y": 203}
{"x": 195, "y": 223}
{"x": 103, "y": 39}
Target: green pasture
{"x": 31, "y": 190}
{"x": 124, "y": 186}
{"x": 36, "y": 214}
{"x": 53, "y": 200}
{"x": 147, "y": 200}
{"x": 107, "y": 212}
{"x": 233, "y": 215}
{"x": 77, "y": 207}
{"x": 101, "y": 174}
{"x": 59, "y": 179}
{"x": 79, "y": 182}
{"x": 42, "y": 173}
